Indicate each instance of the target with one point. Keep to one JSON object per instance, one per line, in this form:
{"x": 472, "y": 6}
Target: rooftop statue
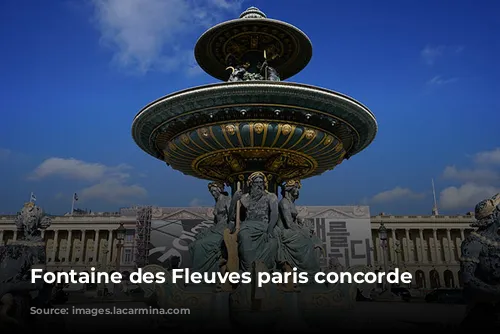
{"x": 18, "y": 258}
{"x": 480, "y": 265}
{"x": 206, "y": 250}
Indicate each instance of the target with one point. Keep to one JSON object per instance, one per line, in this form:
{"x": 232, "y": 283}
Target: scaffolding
{"x": 142, "y": 235}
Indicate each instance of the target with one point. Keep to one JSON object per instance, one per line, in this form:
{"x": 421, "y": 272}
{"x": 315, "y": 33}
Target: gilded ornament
{"x": 230, "y": 129}
{"x": 287, "y": 128}
{"x": 328, "y": 140}
{"x": 185, "y": 139}
{"x": 171, "y": 146}
{"x": 204, "y": 132}
{"x": 310, "y": 134}
{"x": 259, "y": 128}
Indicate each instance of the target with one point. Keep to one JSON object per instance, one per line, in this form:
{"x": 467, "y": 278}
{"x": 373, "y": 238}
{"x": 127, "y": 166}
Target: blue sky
{"x": 75, "y": 73}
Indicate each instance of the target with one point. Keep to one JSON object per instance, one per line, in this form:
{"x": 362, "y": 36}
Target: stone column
{"x": 422, "y": 246}
{"x": 83, "y": 254}
{"x": 462, "y": 236}
{"x": 42, "y": 235}
{"x": 380, "y": 249}
{"x": 1, "y": 238}
{"x": 450, "y": 245}
{"x": 69, "y": 245}
{"x": 408, "y": 246}
{"x": 55, "y": 245}
{"x": 375, "y": 247}
{"x": 96, "y": 245}
{"x": 436, "y": 242}
{"x": 14, "y": 237}
{"x": 110, "y": 246}
{"x": 392, "y": 246}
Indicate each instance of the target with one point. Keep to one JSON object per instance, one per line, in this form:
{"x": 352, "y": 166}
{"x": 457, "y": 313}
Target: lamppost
{"x": 382, "y": 234}
{"x": 120, "y": 236}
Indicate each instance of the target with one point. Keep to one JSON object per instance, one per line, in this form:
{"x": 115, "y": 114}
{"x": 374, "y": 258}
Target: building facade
{"x": 426, "y": 246}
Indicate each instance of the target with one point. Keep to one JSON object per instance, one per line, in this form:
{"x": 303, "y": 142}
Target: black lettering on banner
{"x": 338, "y": 234}
{"x": 368, "y": 252}
{"x": 356, "y": 255}
{"x": 320, "y": 230}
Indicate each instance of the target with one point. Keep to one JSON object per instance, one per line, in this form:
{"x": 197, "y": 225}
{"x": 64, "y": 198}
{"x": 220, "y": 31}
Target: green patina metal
{"x": 258, "y": 133}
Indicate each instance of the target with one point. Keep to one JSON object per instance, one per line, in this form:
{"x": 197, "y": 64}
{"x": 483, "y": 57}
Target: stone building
{"x": 426, "y": 246}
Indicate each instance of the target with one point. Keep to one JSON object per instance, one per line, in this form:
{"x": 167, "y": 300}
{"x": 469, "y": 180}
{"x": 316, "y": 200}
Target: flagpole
{"x": 31, "y": 197}
{"x": 73, "y": 204}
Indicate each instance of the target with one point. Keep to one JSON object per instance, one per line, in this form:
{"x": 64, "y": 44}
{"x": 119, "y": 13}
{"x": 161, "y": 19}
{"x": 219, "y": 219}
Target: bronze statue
{"x": 480, "y": 265}
{"x": 256, "y": 239}
{"x": 206, "y": 250}
{"x": 238, "y": 72}
{"x": 296, "y": 246}
{"x": 17, "y": 259}
{"x": 268, "y": 72}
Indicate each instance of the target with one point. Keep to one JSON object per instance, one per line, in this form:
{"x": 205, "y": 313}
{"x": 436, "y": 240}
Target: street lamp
{"x": 382, "y": 234}
{"x": 120, "y": 236}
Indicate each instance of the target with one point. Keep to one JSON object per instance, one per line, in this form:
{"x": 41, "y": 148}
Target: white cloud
{"x": 476, "y": 175}
{"x": 150, "y": 35}
{"x": 75, "y": 169}
{"x": 114, "y": 191}
{"x": 488, "y": 157}
{"x": 109, "y": 183}
{"x": 395, "y": 194}
{"x": 438, "y": 80}
{"x": 465, "y": 196}
{"x": 479, "y": 182}
{"x": 430, "y": 54}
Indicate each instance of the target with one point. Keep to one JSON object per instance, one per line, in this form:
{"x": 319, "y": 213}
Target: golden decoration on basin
{"x": 171, "y": 146}
{"x": 328, "y": 140}
{"x": 287, "y": 128}
{"x": 204, "y": 132}
{"x": 230, "y": 129}
{"x": 185, "y": 139}
{"x": 259, "y": 127}
{"x": 310, "y": 134}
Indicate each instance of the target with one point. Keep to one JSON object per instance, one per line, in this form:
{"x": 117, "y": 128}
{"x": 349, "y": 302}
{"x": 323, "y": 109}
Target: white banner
{"x": 344, "y": 230}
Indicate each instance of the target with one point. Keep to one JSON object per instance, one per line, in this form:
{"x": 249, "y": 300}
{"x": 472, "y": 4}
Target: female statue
{"x": 296, "y": 247}
{"x": 480, "y": 265}
{"x": 206, "y": 250}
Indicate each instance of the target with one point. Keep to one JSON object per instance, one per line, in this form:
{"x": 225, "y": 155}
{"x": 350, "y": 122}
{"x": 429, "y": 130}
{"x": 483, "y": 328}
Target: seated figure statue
{"x": 238, "y": 72}
{"x": 479, "y": 266}
{"x": 268, "y": 72}
{"x": 206, "y": 250}
{"x": 256, "y": 238}
{"x": 296, "y": 246}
